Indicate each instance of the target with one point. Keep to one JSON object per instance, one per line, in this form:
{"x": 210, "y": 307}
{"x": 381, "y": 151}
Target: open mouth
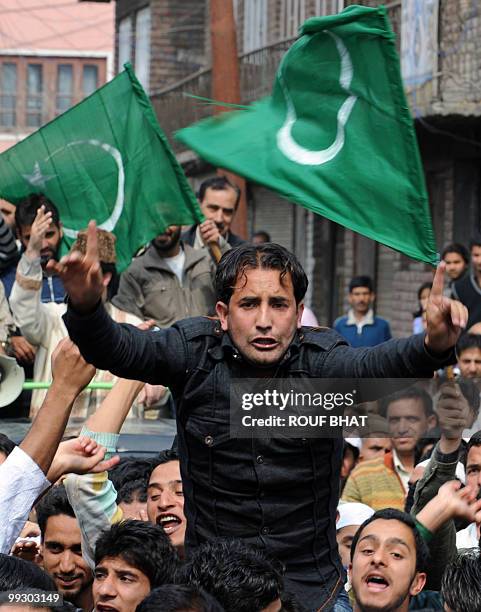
{"x": 264, "y": 344}
{"x": 376, "y": 582}
{"x": 169, "y": 522}
{"x": 105, "y": 608}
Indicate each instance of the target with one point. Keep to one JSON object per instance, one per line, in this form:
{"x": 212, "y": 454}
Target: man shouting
{"x": 279, "y": 494}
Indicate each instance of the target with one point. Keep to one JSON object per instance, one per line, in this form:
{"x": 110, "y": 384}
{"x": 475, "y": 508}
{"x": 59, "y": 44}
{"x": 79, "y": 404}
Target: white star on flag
{"x": 37, "y": 179}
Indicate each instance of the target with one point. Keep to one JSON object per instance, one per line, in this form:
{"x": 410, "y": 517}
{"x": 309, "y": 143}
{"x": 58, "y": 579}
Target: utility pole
{"x": 226, "y": 85}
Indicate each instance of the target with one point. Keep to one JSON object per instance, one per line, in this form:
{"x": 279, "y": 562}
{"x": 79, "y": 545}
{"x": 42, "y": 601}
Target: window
{"x": 142, "y": 47}
{"x": 34, "y": 95}
{"x": 329, "y": 7}
{"x": 64, "y": 88}
{"x": 293, "y": 15}
{"x": 255, "y": 24}
{"x": 8, "y": 96}
{"x": 125, "y": 42}
{"x": 90, "y": 80}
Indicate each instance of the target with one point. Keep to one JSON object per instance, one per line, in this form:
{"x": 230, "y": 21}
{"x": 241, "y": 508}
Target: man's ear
{"x": 432, "y": 421}
{"x": 300, "y": 310}
{"x": 39, "y": 557}
{"x": 417, "y": 584}
{"x": 60, "y": 228}
{"x": 222, "y": 311}
{"x": 106, "y": 279}
{"x": 373, "y": 297}
{"x": 349, "y": 572}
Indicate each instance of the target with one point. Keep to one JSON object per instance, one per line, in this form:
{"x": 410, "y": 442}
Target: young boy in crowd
{"x": 388, "y": 562}
{"x": 456, "y": 258}
{"x": 179, "y": 598}
{"x": 131, "y": 559}
{"x": 240, "y": 577}
{"x": 93, "y": 496}
{"x": 61, "y": 549}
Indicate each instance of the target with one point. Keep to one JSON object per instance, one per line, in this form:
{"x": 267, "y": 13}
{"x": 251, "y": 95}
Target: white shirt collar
{"x": 401, "y": 471}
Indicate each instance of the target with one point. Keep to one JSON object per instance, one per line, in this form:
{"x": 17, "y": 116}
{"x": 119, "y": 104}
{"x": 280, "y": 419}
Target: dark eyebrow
{"x": 126, "y": 573}
{"x": 398, "y": 541}
{"x": 369, "y": 537}
{"x": 388, "y": 541}
{"x": 249, "y": 298}
{"x": 157, "y": 485}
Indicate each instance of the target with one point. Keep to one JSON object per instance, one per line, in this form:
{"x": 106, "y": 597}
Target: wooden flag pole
{"x": 226, "y": 85}
{"x": 215, "y": 251}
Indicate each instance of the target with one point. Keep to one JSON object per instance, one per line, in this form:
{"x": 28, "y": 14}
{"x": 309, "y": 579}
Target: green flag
{"x": 104, "y": 159}
{"x": 336, "y": 135}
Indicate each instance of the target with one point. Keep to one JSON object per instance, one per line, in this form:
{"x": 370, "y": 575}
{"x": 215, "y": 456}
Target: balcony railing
{"x": 176, "y": 110}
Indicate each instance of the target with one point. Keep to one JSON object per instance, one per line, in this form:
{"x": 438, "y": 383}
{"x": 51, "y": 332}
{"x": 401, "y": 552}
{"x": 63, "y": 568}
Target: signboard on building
{"x": 419, "y": 41}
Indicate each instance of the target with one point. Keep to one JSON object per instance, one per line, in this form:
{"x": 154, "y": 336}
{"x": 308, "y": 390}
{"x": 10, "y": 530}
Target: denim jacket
{"x": 279, "y": 494}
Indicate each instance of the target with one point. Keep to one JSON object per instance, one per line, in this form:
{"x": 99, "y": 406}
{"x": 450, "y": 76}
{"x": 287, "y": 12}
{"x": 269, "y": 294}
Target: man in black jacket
{"x": 467, "y": 289}
{"x": 280, "y": 494}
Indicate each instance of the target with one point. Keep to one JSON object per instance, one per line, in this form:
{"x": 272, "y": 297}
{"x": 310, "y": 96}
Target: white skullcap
{"x": 356, "y": 442}
{"x": 352, "y": 513}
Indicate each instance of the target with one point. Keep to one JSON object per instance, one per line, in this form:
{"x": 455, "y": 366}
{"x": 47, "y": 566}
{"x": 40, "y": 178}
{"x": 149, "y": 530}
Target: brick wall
{"x": 179, "y": 37}
{"x": 460, "y": 55}
{"x": 178, "y": 40}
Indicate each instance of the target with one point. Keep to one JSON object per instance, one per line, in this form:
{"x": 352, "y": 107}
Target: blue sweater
{"x": 52, "y": 286}
{"x": 369, "y": 335}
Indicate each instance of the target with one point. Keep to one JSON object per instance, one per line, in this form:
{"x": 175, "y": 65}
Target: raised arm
{"x": 153, "y": 357}
{"x": 450, "y": 502}
{"x": 93, "y": 496}
{"x": 439, "y": 475}
{"x": 34, "y": 318}
{"x": 23, "y": 474}
{"x": 417, "y": 356}
{"x": 70, "y": 374}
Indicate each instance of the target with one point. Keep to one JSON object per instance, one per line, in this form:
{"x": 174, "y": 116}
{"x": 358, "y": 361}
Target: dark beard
{"x": 164, "y": 248}
{"x": 169, "y": 245}
{"x": 44, "y": 259}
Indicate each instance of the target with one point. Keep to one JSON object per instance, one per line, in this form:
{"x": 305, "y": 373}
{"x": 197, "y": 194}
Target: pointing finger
{"x": 438, "y": 282}
{"x": 92, "y": 248}
{"x": 459, "y": 314}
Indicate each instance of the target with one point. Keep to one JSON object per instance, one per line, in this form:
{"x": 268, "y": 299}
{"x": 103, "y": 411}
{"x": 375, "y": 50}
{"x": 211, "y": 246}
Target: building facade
{"x": 440, "y": 47}
{"x": 51, "y": 57}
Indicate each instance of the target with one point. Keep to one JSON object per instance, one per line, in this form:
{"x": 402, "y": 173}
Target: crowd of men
{"x": 384, "y": 520}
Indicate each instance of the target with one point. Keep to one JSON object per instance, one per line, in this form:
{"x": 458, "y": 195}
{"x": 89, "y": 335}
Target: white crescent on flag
{"x": 285, "y": 141}
{"x": 37, "y": 179}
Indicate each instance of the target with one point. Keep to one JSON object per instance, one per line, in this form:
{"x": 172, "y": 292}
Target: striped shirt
{"x": 8, "y": 245}
{"x": 93, "y": 498}
{"x": 375, "y": 483}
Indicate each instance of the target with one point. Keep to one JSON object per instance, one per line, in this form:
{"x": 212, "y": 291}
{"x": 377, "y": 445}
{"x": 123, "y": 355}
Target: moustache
{"x": 68, "y": 576}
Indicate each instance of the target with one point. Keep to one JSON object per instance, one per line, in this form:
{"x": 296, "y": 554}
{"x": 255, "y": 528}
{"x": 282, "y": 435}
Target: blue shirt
{"x": 368, "y": 332}
{"x": 52, "y": 286}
